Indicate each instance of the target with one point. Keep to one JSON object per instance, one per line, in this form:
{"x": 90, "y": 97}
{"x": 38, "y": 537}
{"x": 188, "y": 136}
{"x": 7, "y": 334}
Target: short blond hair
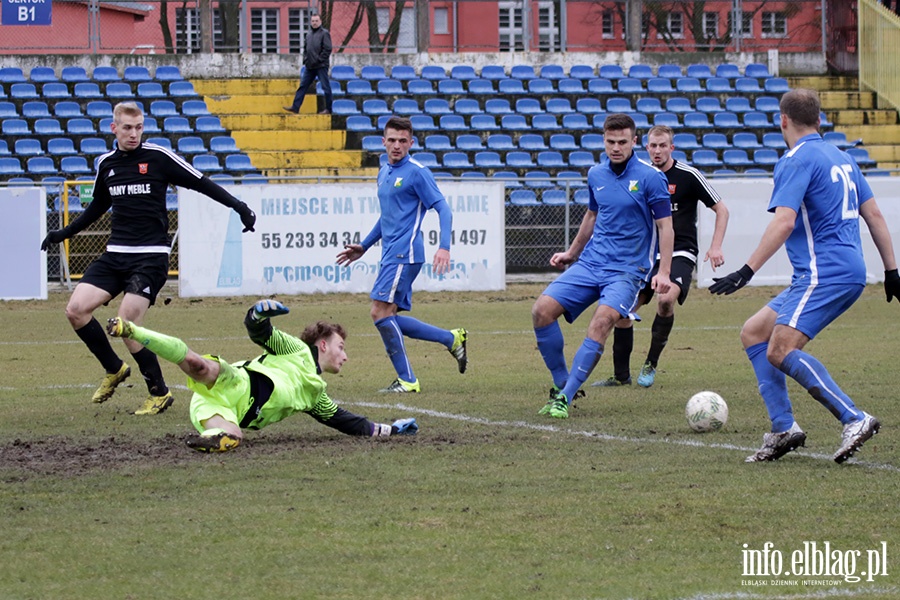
{"x": 126, "y": 108}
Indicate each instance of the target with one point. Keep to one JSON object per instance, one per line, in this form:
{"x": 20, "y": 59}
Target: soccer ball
{"x": 706, "y": 411}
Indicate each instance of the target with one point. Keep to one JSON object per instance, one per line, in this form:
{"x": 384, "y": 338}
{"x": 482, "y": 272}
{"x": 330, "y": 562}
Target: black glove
{"x": 57, "y": 235}
{"x": 248, "y": 217}
{"x": 892, "y": 285}
{"x": 731, "y": 282}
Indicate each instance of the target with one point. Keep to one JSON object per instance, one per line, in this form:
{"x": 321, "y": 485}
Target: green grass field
{"x": 490, "y": 500}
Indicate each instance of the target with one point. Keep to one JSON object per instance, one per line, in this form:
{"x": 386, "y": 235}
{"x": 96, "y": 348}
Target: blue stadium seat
{"x": 345, "y": 107}
{"x": 420, "y": 87}
{"x": 168, "y": 73}
{"x": 493, "y": 72}
{"x": 150, "y": 89}
{"x": 40, "y": 165}
{"x": 728, "y": 71}
{"x": 640, "y": 71}
{"x": 473, "y": 175}
{"x": 538, "y": 179}
{"x": 403, "y": 72}
{"x": 532, "y": 142}
{"x": 688, "y": 85}
{"x": 55, "y": 90}
{"x": 861, "y": 156}
{"x": 450, "y": 87}
{"x": 642, "y": 154}
{"x": 24, "y": 91}
{"x": 553, "y": 72}
{"x": 588, "y": 106}
{"x": 523, "y": 198}
{"x": 99, "y": 109}
{"x": 630, "y": 86}
{"x": 28, "y": 147}
{"x": 158, "y": 108}
{"x": 719, "y": 173}
{"x": 87, "y": 90}
{"x": 708, "y": 104}
{"x": 119, "y": 91}
{"x": 92, "y": 146}
{"x": 765, "y": 156}
{"x": 726, "y": 120}
{"x": 191, "y": 145}
{"x": 12, "y": 75}
{"x": 554, "y": 197}
{"x": 47, "y": 127}
{"x": 737, "y": 104}
{"x": 467, "y": 106}
{"x": 679, "y": 105}
{"x": 559, "y": 106}
{"x": 697, "y": 120}
{"x": 160, "y": 141}
{"x": 74, "y": 74}
{"x": 481, "y": 87}
{"x": 67, "y": 110}
{"x": 767, "y": 104}
{"x": 747, "y": 85}
{"x": 685, "y": 141}
{"x": 582, "y": 159}
{"x": 757, "y": 70}
{"x": 519, "y": 160}
{"x": 482, "y": 122}
{"x": 619, "y": 105}
{"x": 551, "y": 159}
{"x": 501, "y": 141}
{"x": 206, "y": 163}
{"x": 136, "y": 73}
{"x": 469, "y": 142}
{"x": 755, "y": 172}
{"x": 488, "y": 160}
{"x": 343, "y": 73}
{"x": 371, "y": 143}
{"x": 375, "y": 106}
{"x": 74, "y": 165}
{"x": 544, "y": 122}
{"x": 592, "y": 141}
{"x": 736, "y": 157}
{"x": 523, "y": 72}
{"x": 660, "y": 85}
{"x": 705, "y": 159}
{"x": 453, "y": 122}
{"x": 42, "y": 75}
{"x": 648, "y": 105}
{"x": 359, "y": 87}
{"x": 541, "y": 86}
{"x": 105, "y": 125}
{"x": 680, "y": 156}
{"x": 422, "y": 122}
{"x": 389, "y": 87}
{"x": 718, "y": 85}
{"x": 427, "y": 159}
{"x": 774, "y": 140}
{"x": 359, "y": 123}
{"x": 463, "y": 72}
{"x": 582, "y": 196}
{"x": 372, "y": 73}
{"x": 437, "y": 106}
{"x": 403, "y": 107}
{"x": 669, "y": 71}
{"x": 35, "y": 110}
{"x": 4, "y": 148}
{"x": 220, "y": 178}
{"x": 611, "y": 72}
{"x": 511, "y": 86}
{"x": 757, "y": 120}
{"x": 498, "y": 106}
{"x": 776, "y": 85}
{"x": 575, "y": 122}
{"x": 433, "y": 73}
{"x": 563, "y": 141}
{"x": 61, "y": 146}
{"x": 80, "y": 126}
{"x": 582, "y": 72}
{"x": 177, "y": 125}
{"x": 574, "y": 179}
{"x": 456, "y": 160}
{"x": 433, "y": 143}
{"x": 600, "y": 86}
{"x": 667, "y": 119}
{"x": 824, "y": 123}
{"x": 254, "y": 179}
{"x": 10, "y": 166}
{"x": 746, "y": 140}
{"x": 238, "y": 162}
{"x": 570, "y": 85}
{"x": 838, "y": 139}
{"x": 699, "y": 71}
{"x": 182, "y": 89}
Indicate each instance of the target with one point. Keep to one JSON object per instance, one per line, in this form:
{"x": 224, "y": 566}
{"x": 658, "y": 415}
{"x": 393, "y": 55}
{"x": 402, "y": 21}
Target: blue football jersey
{"x": 825, "y": 186}
{"x": 406, "y": 191}
{"x": 625, "y": 236}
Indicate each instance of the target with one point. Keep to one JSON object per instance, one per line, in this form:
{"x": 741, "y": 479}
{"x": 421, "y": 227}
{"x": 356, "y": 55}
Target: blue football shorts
{"x": 580, "y": 286}
{"x": 394, "y": 284}
{"x": 810, "y": 308}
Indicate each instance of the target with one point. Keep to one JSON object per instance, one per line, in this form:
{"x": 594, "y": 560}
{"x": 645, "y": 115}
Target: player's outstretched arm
{"x": 881, "y": 235}
{"x": 262, "y": 333}
{"x": 328, "y": 413}
{"x": 350, "y": 253}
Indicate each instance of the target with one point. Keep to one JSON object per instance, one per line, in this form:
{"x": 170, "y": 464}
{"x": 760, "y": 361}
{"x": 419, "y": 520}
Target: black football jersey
{"x": 687, "y": 187}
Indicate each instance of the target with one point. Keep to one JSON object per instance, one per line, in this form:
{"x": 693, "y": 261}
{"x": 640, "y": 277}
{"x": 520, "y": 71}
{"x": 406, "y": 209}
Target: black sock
{"x": 95, "y": 339}
{"x": 623, "y": 344}
{"x": 149, "y": 366}
{"x": 659, "y": 337}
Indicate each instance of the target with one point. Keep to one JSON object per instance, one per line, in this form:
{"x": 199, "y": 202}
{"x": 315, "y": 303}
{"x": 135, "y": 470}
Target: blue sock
{"x": 585, "y": 360}
{"x": 393, "y": 343}
{"x": 416, "y": 329}
{"x": 772, "y": 388}
{"x": 813, "y": 375}
{"x": 551, "y": 343}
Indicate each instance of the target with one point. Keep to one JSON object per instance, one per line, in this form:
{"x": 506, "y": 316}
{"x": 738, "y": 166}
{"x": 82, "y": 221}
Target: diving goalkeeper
{"x": 285, "y": 379}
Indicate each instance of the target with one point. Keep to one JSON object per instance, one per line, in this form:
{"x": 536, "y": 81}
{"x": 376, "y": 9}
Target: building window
{"x": 441, "y": 21}
{"x": 510, "y": 30}
{"x": 548, "y": 28}
{"x": 675, "y": 24}
{"x": 298, "y": 25}
{"x": 384, "y": 19}
{"x": 711, "y": 25}
{"x": 608, "y": 24}
{"x": 187, "y": 30}
{"x": 746, "y": 30}
{"x": 774, "y": 24}
{"x": 264, "y": 30}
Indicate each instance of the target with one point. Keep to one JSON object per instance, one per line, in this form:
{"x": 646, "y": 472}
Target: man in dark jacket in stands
{"x": 315, "y": 62}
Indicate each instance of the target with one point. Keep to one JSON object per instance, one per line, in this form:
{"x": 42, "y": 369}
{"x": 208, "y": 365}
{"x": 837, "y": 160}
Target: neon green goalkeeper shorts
{"x": 228, "y": 397}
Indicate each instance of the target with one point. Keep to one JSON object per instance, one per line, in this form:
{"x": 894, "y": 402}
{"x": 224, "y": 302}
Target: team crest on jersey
{"x": 672, "y": 188}
{"x": 142, "y": 168}
{"x": 398, "y": 182}
{"x": 633, "y": 186}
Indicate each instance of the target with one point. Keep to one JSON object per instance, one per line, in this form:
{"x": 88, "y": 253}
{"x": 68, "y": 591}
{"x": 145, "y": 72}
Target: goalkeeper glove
{"x": 248, "y": 217}
{"x": 405, "y": 427}
{"x": 731, "y": 282}
{"x": 57, "y": 235}
{"x": 269, "y": 308}
{"x": 892, "y": 285}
